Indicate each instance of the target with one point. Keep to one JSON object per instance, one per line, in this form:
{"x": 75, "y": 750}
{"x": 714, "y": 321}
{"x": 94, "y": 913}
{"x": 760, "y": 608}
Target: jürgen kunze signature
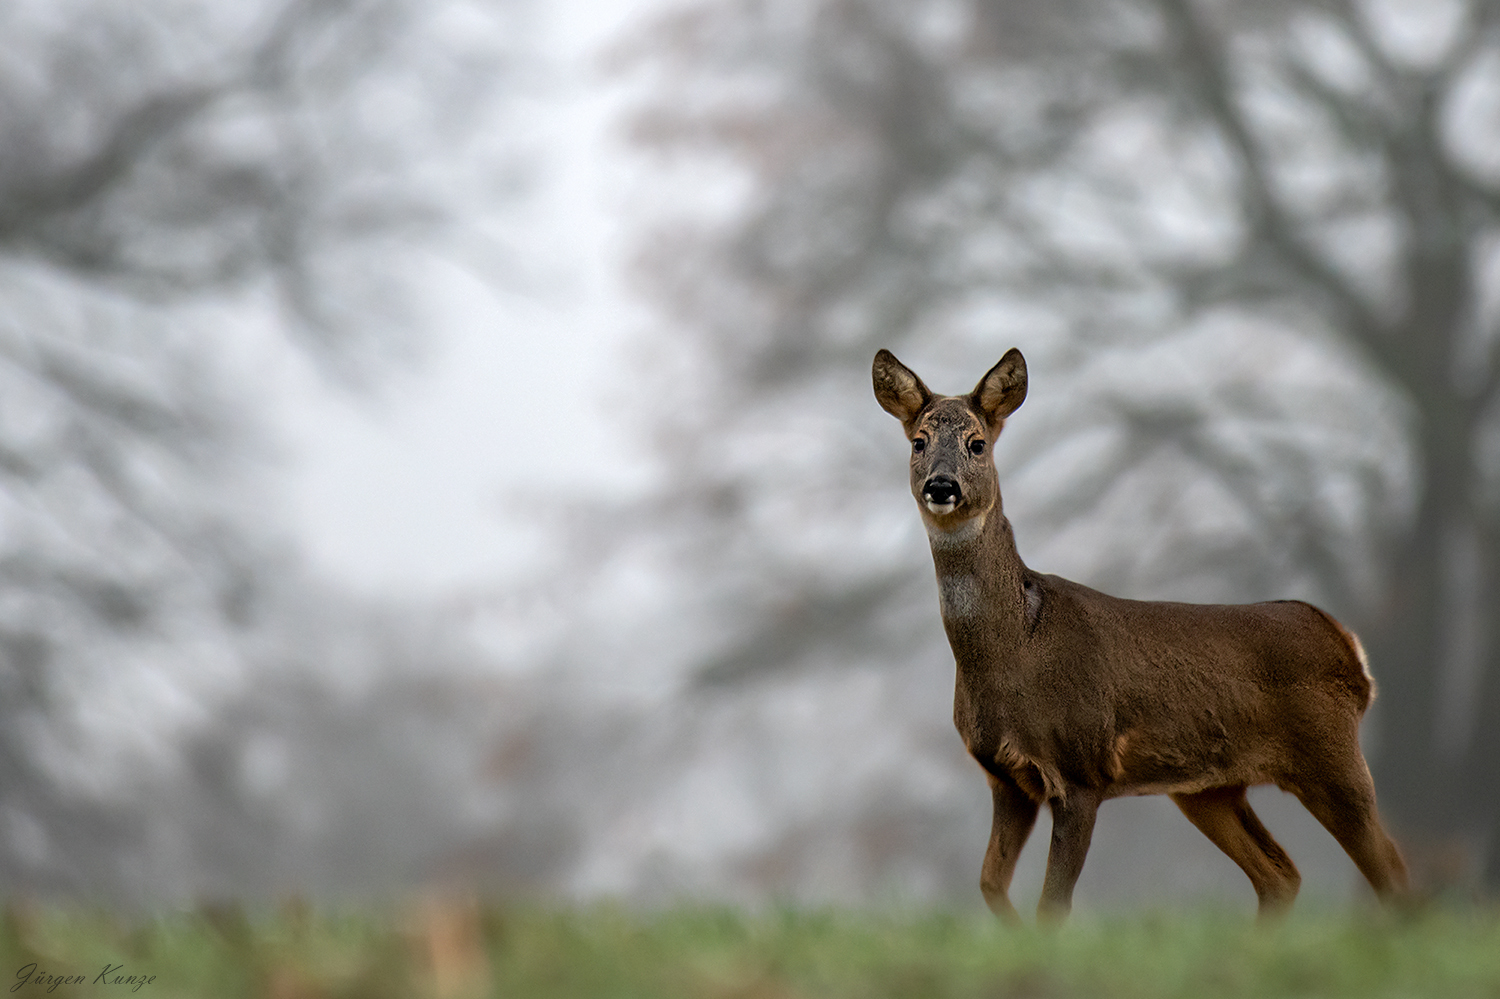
{"x": 113, "y": 974}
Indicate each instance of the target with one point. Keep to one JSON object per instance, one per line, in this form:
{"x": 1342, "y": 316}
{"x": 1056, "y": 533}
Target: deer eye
{"x": 976, "y": 446}
{"x": 918, "y": 445}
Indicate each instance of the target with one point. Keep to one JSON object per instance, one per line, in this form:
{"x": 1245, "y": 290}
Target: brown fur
{"x": 1068, "y": 696}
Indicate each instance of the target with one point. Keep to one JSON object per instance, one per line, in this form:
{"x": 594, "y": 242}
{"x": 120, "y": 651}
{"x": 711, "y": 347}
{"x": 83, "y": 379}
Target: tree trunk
{"x": 1478, "y": 790}
{"x": 1408, "y": 648}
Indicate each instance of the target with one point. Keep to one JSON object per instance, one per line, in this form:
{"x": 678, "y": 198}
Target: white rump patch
{"x": 960, "y": 596}
{"x": 1359, "y": 651}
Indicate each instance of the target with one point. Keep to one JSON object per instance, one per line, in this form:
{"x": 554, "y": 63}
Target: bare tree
{"x": 158, "y": 161}
{"x": 1254, "y": 245}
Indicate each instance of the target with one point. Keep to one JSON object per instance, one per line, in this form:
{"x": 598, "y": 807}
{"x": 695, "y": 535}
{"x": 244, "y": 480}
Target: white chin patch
{"x": 941, "y": 509}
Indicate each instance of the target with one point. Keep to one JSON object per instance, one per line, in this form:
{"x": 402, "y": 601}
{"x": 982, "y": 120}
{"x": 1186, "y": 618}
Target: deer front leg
{"x": 1072, "y": 828}
{"x": 1015, "y": 814}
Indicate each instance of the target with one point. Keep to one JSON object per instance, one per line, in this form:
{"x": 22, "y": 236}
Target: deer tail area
{"x": 1357, "y": 650}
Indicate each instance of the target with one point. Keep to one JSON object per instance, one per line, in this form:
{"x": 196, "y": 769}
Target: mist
{"x": 437, "y": 450}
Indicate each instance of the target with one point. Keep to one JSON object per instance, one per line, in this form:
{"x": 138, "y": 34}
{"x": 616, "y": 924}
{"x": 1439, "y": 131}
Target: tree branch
{"x": 1271, "y": 227}
{"x": 133, "y": 133}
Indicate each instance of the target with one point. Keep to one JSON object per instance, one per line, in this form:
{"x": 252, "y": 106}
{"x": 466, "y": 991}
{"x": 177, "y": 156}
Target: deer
{"x": 1068, "y": 696}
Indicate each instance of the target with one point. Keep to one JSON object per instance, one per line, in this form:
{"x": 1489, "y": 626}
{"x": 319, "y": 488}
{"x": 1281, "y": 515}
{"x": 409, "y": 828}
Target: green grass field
{"x": 458, "y": 951}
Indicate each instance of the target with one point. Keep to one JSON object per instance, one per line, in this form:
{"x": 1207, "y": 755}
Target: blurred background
{"x": 437, "y": 448}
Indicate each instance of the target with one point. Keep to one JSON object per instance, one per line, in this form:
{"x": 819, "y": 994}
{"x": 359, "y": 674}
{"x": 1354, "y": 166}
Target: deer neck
{"x": 980, "y": 583}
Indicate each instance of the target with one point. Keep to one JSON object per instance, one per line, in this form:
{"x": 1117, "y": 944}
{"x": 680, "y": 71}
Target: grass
{"x": 461, "y": 951}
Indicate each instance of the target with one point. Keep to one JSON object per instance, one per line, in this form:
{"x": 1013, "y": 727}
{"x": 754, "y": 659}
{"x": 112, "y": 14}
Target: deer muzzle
{"x": 942, "y": 494}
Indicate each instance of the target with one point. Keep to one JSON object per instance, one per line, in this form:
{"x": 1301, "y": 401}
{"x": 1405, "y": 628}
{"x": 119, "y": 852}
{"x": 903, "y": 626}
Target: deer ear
{"x": 1003, "y": 388}
{"x": 897, "y": 388}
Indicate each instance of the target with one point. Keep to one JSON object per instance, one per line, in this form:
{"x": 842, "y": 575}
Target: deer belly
{"x": 1143, "y": 761}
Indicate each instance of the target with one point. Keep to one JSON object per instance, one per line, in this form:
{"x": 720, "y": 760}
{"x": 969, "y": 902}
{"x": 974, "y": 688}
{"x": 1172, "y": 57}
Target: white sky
{"x": 415, "y": 489}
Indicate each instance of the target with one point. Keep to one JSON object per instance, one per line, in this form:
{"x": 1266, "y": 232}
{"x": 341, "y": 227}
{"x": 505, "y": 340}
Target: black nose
{"x": 942, "y": 489}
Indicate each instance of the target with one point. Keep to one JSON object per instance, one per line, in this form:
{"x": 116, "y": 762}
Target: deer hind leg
{"x": 1015, "y": 814}
{"x": 1345, "y": 804}
{"x": 1224, "y": 815}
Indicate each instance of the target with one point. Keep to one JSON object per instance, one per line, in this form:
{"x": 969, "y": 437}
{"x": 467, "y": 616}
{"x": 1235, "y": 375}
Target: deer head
{"x": 952, "y": 468}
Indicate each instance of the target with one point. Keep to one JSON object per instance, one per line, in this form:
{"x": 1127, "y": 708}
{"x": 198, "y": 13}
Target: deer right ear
{"x": 897, "y": 388}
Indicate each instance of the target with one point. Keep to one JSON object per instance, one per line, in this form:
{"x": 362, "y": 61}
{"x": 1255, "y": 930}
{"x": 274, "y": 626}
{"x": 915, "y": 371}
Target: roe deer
{"x": 1069, "y": 696}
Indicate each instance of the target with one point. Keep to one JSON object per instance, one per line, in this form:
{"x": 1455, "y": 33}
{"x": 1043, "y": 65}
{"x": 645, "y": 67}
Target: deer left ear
{"x": 1003, "y": 388}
